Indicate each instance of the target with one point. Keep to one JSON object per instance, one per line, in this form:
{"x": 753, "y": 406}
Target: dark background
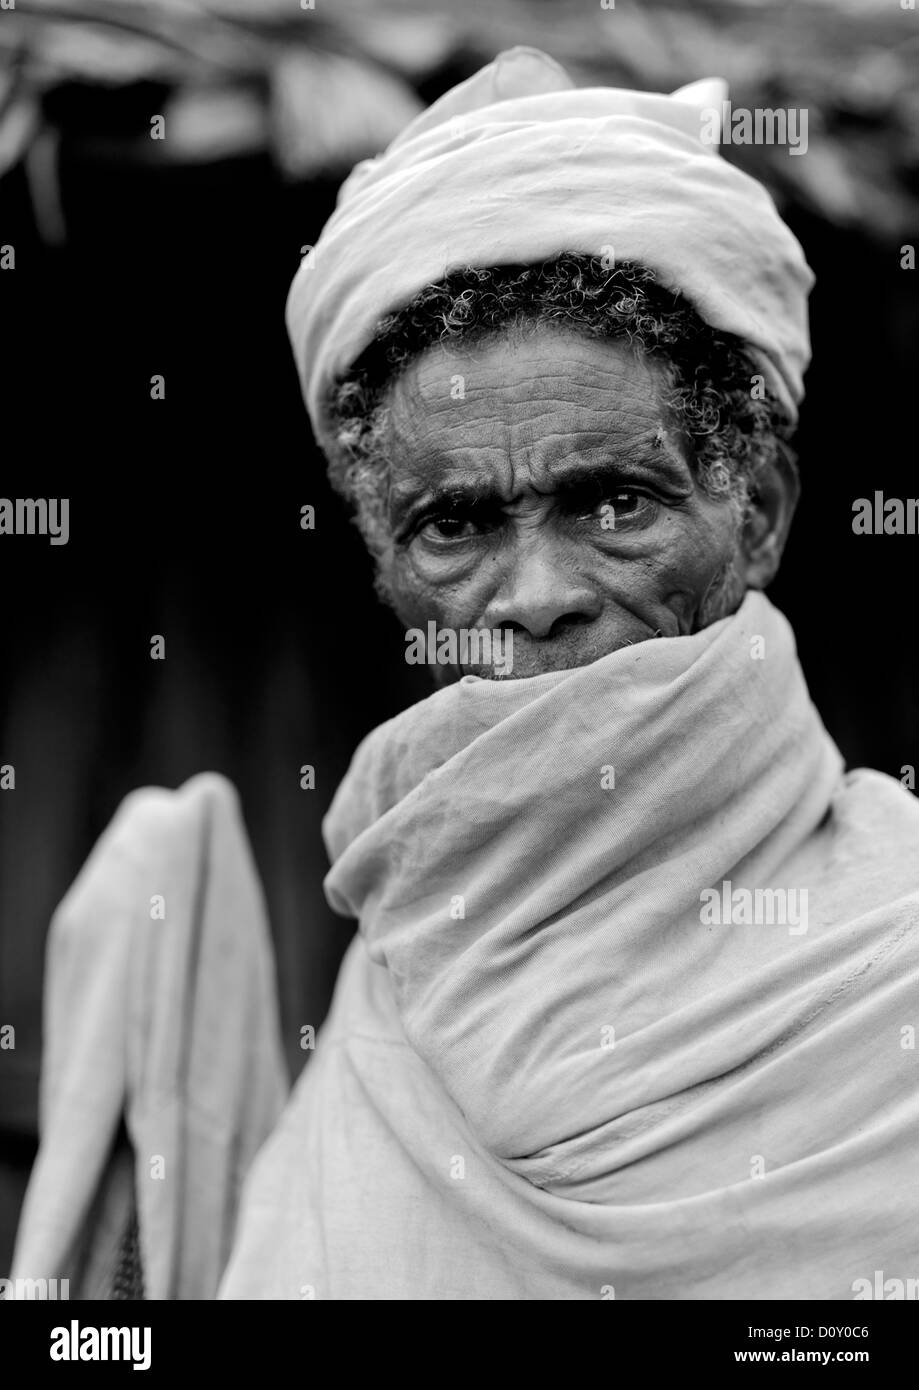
{"x": 185, "y": 512}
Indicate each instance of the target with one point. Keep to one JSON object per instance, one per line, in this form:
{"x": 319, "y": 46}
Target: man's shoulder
{"x": 870, "y": 796}
{"x": 874, "y": 820}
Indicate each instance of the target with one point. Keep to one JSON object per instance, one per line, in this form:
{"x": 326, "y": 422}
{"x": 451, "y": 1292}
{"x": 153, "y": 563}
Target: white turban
{"x": 516, "y": 166}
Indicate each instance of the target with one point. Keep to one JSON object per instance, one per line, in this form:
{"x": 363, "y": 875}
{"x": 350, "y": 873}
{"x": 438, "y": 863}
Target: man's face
{"x": 538, "y": 485}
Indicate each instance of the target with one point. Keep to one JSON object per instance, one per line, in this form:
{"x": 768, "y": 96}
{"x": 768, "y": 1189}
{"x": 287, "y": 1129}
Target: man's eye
{"x": 449, "y": 528}
{"x": 625, "y": 501}
{"x": 625, "y": 504}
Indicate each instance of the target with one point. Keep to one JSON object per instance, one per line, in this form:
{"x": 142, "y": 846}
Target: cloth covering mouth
{"x": 548, "y": 1071}
{"x": 573, "y": 819}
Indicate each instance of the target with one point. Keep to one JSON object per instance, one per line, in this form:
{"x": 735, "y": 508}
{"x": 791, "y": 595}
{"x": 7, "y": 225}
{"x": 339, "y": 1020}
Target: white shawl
{"x": 552, "y": 1069}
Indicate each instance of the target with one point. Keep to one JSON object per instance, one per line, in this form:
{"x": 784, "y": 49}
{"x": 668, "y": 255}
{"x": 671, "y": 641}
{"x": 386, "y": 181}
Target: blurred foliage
{"x": 320, "y": 88}
{"x": 227, "y": 84}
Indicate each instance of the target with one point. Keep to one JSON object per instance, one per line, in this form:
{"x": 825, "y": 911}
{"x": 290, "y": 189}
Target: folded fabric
{"x": 516, "y": 165}
{"x": 162, "y": 1070}
{"x": 628, "y": 1012}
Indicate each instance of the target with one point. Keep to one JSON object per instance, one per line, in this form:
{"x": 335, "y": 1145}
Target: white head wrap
{"x": 515, "y": 166}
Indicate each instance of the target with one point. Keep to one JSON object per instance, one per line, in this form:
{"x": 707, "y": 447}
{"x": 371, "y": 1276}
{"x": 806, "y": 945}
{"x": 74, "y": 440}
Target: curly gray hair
{"x": 734, "y": 430}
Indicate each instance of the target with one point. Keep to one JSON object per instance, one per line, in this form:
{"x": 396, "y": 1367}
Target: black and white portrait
{"x": 459, "y": 717}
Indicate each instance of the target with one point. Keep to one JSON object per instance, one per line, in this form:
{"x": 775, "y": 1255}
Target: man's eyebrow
{"x": 408, "y": 496}
{"x": 576, "y": 478}
{"x": 643, "y": 462}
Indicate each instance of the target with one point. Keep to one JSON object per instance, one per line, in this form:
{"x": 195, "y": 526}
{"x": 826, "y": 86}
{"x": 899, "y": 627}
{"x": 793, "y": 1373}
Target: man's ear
{"x": 768, "y": 520}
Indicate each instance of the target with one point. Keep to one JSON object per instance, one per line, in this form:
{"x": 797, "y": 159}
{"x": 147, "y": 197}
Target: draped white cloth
{"x": 548, "y": 1072}
{"x": 161, "y": 1013}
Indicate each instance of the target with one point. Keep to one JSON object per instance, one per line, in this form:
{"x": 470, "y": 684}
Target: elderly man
{"x": 630, "y": 1011}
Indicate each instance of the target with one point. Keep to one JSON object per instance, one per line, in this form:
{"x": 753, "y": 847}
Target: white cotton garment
{"x": 161, "y": 1020}
{"x": 630, "y": 1011}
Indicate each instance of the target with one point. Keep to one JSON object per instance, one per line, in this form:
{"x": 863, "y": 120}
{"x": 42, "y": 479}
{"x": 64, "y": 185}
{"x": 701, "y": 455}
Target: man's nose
{"x": 540, "y": 589}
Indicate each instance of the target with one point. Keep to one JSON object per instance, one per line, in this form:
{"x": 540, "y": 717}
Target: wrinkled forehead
{"x": 544, "y": 408}
{"x": 539, "y": 388}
